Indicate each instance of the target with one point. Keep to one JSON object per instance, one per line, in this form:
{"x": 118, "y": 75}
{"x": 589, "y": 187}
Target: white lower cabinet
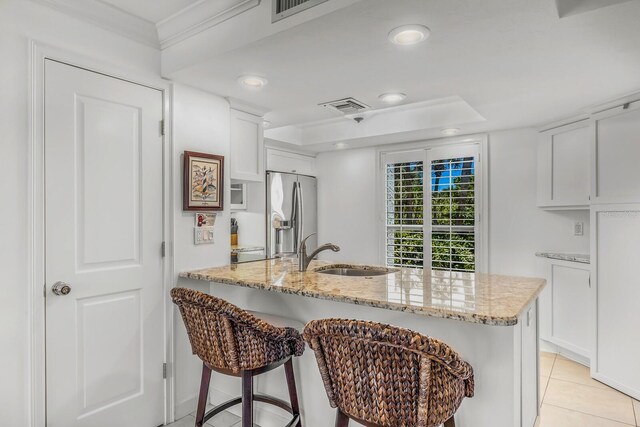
{"x": 286, "y": 161}
{"x": 565, "y": 306}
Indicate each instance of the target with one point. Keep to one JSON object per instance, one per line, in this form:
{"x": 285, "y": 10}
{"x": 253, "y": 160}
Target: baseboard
{"x": 550, "y": 347}
{"x": 186, "y": 406}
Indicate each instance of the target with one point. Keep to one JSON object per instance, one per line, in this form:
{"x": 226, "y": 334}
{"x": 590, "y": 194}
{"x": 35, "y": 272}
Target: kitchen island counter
{"x": 490, "y": 320}
{"x": 470, "y": 297}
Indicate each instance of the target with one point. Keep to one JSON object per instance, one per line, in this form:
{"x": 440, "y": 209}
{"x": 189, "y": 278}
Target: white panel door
{"x": 103, "y": 196}
{"x": 616, "y": 251}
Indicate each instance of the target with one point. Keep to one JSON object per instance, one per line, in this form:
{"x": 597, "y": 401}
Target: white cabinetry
{"x": 286, "y": 161}
{"x": 615, "y": 325}
{"x": 616, "y": 155}
{"x": 565, "y": 306}
{"x": 564, "y": 166}
{"x": 247, "y": 147}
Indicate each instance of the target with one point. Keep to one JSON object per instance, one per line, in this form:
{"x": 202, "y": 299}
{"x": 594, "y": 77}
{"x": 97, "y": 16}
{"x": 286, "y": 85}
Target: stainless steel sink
{"x": 353, "y": 271}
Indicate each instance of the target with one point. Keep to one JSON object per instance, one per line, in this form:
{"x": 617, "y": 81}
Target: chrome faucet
{"x": 304, "y": 259}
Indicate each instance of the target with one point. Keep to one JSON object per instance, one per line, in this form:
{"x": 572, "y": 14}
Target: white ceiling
{"x": 151, "y": 10}
{"x": 515, "y": 62}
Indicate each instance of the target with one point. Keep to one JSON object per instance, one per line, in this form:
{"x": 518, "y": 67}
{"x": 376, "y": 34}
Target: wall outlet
{"x": 578, "y": 229}
{"x": 202, "y": 235}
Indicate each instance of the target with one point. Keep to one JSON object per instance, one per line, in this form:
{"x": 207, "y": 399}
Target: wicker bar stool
{"x": 234, "y": 342}
{"x": 383, "y": 376}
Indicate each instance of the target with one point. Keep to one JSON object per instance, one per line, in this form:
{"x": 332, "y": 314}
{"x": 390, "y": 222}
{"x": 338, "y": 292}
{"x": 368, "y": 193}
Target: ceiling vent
{"x": 346, "y": 106}
{"x": 285, "y": 8}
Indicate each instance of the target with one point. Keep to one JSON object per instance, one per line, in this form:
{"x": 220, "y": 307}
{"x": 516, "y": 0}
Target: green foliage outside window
{"x": 452, "y": 214}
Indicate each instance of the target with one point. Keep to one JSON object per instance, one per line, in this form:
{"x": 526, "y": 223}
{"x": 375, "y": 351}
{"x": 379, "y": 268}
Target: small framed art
{"x": 203, "y": 182}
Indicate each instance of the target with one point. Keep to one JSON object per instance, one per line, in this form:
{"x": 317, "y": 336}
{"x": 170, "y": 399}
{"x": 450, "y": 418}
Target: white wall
{"x": 347, "y": 204}
{"x": 21, "y": 21}
{"x": 201, "y": 122}
{"x": 347, "y": 192}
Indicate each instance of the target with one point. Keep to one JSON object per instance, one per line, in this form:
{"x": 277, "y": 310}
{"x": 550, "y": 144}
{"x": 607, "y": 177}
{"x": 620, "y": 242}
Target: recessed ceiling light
{"x": 340, "y": 145}
{"x": 252, "y": 81}
{"x": 409, "y": 34}
{"x": 392, "y": 98}
{"x": 450, "y": 131}
{"x": 266, "y": 123}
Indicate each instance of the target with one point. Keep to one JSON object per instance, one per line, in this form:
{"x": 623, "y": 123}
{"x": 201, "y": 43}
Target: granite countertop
{"x": 475, "y": 298}
{"x": 582, "y": 258}
{"x": 239, "y": 248}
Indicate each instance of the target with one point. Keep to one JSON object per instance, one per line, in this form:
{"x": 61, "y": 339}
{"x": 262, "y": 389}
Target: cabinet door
{"x": 564, "y": 166}
{"x": 247, "y": 147}
{"x": 285, "y": 161}
{"x": 615, "y": 236}
{"x": 616, "y": 153}
{"x": 570, "y": 306}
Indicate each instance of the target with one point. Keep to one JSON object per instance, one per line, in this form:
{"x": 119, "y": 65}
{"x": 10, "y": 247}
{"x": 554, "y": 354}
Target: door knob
{"x": 61, "y": 288}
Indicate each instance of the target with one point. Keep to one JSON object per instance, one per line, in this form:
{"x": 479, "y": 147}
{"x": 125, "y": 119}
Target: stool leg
{"x": 341, "y": 419}
{"x": 450, "y": 422}
{"x": 247, "y": 399}
{"x": 204, "y": 392}
{"x": 293, "y": 394}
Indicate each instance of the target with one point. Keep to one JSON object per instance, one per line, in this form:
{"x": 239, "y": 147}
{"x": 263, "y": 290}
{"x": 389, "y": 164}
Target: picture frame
{"x": 203, "y": 182}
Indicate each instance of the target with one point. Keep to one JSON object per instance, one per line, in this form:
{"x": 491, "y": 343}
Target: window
{"x": 448, "y": 239}
{"x": 405, "y": 219}
{"x": 453, "y": 214}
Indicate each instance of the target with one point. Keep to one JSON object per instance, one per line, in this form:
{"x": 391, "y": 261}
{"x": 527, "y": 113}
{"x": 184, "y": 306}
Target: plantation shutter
{"x": 404, "y": 195}
{"x": 449, "y": 235}
{"x": 453, "y": 214}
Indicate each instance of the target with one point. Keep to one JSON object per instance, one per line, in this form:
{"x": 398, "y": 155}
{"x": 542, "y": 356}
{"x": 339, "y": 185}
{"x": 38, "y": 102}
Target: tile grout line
{"x": 544, "y": 395}
{"x": 591, "y": 415}
{"x": 635, "y": 414}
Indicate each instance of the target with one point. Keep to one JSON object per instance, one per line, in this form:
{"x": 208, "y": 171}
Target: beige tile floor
{"x": 570, "y": 398}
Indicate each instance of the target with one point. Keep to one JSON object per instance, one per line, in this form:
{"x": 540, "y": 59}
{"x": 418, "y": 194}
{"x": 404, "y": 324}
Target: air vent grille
{"x": 284, "y": 8}
{"x": 346, "y": 106}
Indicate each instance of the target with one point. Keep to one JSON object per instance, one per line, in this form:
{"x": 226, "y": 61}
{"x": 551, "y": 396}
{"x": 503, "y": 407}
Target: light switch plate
{"x": 578, "y": 229}
{"x": 203, "y": 235}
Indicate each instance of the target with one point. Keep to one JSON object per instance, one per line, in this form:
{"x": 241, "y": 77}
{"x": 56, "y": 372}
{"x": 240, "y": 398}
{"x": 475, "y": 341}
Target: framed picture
{"x": 202, "y": 182}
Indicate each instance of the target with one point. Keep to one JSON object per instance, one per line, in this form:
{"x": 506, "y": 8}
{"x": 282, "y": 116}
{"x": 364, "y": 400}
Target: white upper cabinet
{"x": 564, "y": 166}
{"x": 616, "y": 155}
{"x": 247, "y": 147}
{"x": 286, "y": 161}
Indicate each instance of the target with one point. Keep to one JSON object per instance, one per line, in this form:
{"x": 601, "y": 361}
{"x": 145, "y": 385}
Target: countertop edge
{"x": 472, "y": 319}
{"x": 579, "y": 258}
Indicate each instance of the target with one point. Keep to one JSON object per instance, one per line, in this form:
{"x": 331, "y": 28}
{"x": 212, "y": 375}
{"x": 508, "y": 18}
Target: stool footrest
{"x": 258, "y": 398}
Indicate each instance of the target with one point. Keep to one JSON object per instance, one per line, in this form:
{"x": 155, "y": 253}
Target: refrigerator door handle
{"x": 296, "y": 216}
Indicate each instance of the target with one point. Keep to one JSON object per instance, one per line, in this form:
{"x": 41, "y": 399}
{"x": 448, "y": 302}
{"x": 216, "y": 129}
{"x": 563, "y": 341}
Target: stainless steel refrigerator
{"x": 292, "y": 212}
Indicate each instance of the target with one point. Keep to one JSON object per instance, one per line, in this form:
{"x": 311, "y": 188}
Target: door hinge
{"x": 164, "y": 371}
{"x": 626, "y": 106}
{"x": 44, "y": 290}
{"x": 162, "y": 127}
{"x": 163, "y": 249}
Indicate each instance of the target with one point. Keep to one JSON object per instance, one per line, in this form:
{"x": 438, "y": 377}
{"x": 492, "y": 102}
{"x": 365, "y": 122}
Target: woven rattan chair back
{"x": 388, "y": 376}
{"x": 226, "y": 337}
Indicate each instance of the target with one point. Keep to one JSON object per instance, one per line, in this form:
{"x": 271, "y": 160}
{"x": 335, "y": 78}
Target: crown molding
{"x": 108, "y": 17}
{"x": 199, "y": 17}
{"x": 247, "y": 107}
